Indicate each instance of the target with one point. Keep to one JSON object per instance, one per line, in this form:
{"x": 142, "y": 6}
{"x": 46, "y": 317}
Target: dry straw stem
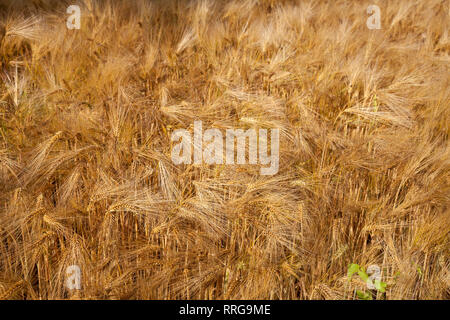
{"x": 86, "y": 177}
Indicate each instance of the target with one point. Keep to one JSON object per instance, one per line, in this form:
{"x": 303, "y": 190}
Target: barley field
{"x": 87, "y": 178}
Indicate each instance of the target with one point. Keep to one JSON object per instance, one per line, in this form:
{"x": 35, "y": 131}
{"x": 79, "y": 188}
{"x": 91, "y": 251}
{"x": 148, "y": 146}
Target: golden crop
{"x": 86, "y": 176}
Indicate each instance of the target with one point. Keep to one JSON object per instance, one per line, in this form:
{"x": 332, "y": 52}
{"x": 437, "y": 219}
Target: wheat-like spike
{"x": 11, "y": 290}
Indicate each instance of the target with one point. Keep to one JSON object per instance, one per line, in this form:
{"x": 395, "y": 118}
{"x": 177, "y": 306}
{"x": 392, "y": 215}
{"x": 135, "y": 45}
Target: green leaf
{"x": 363, "y": 275}
{"x": 380, "y": 286}
{"x": 364, "y": 295}
{"x": 352, "y": 269}
{"x": 419, "y": 270}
